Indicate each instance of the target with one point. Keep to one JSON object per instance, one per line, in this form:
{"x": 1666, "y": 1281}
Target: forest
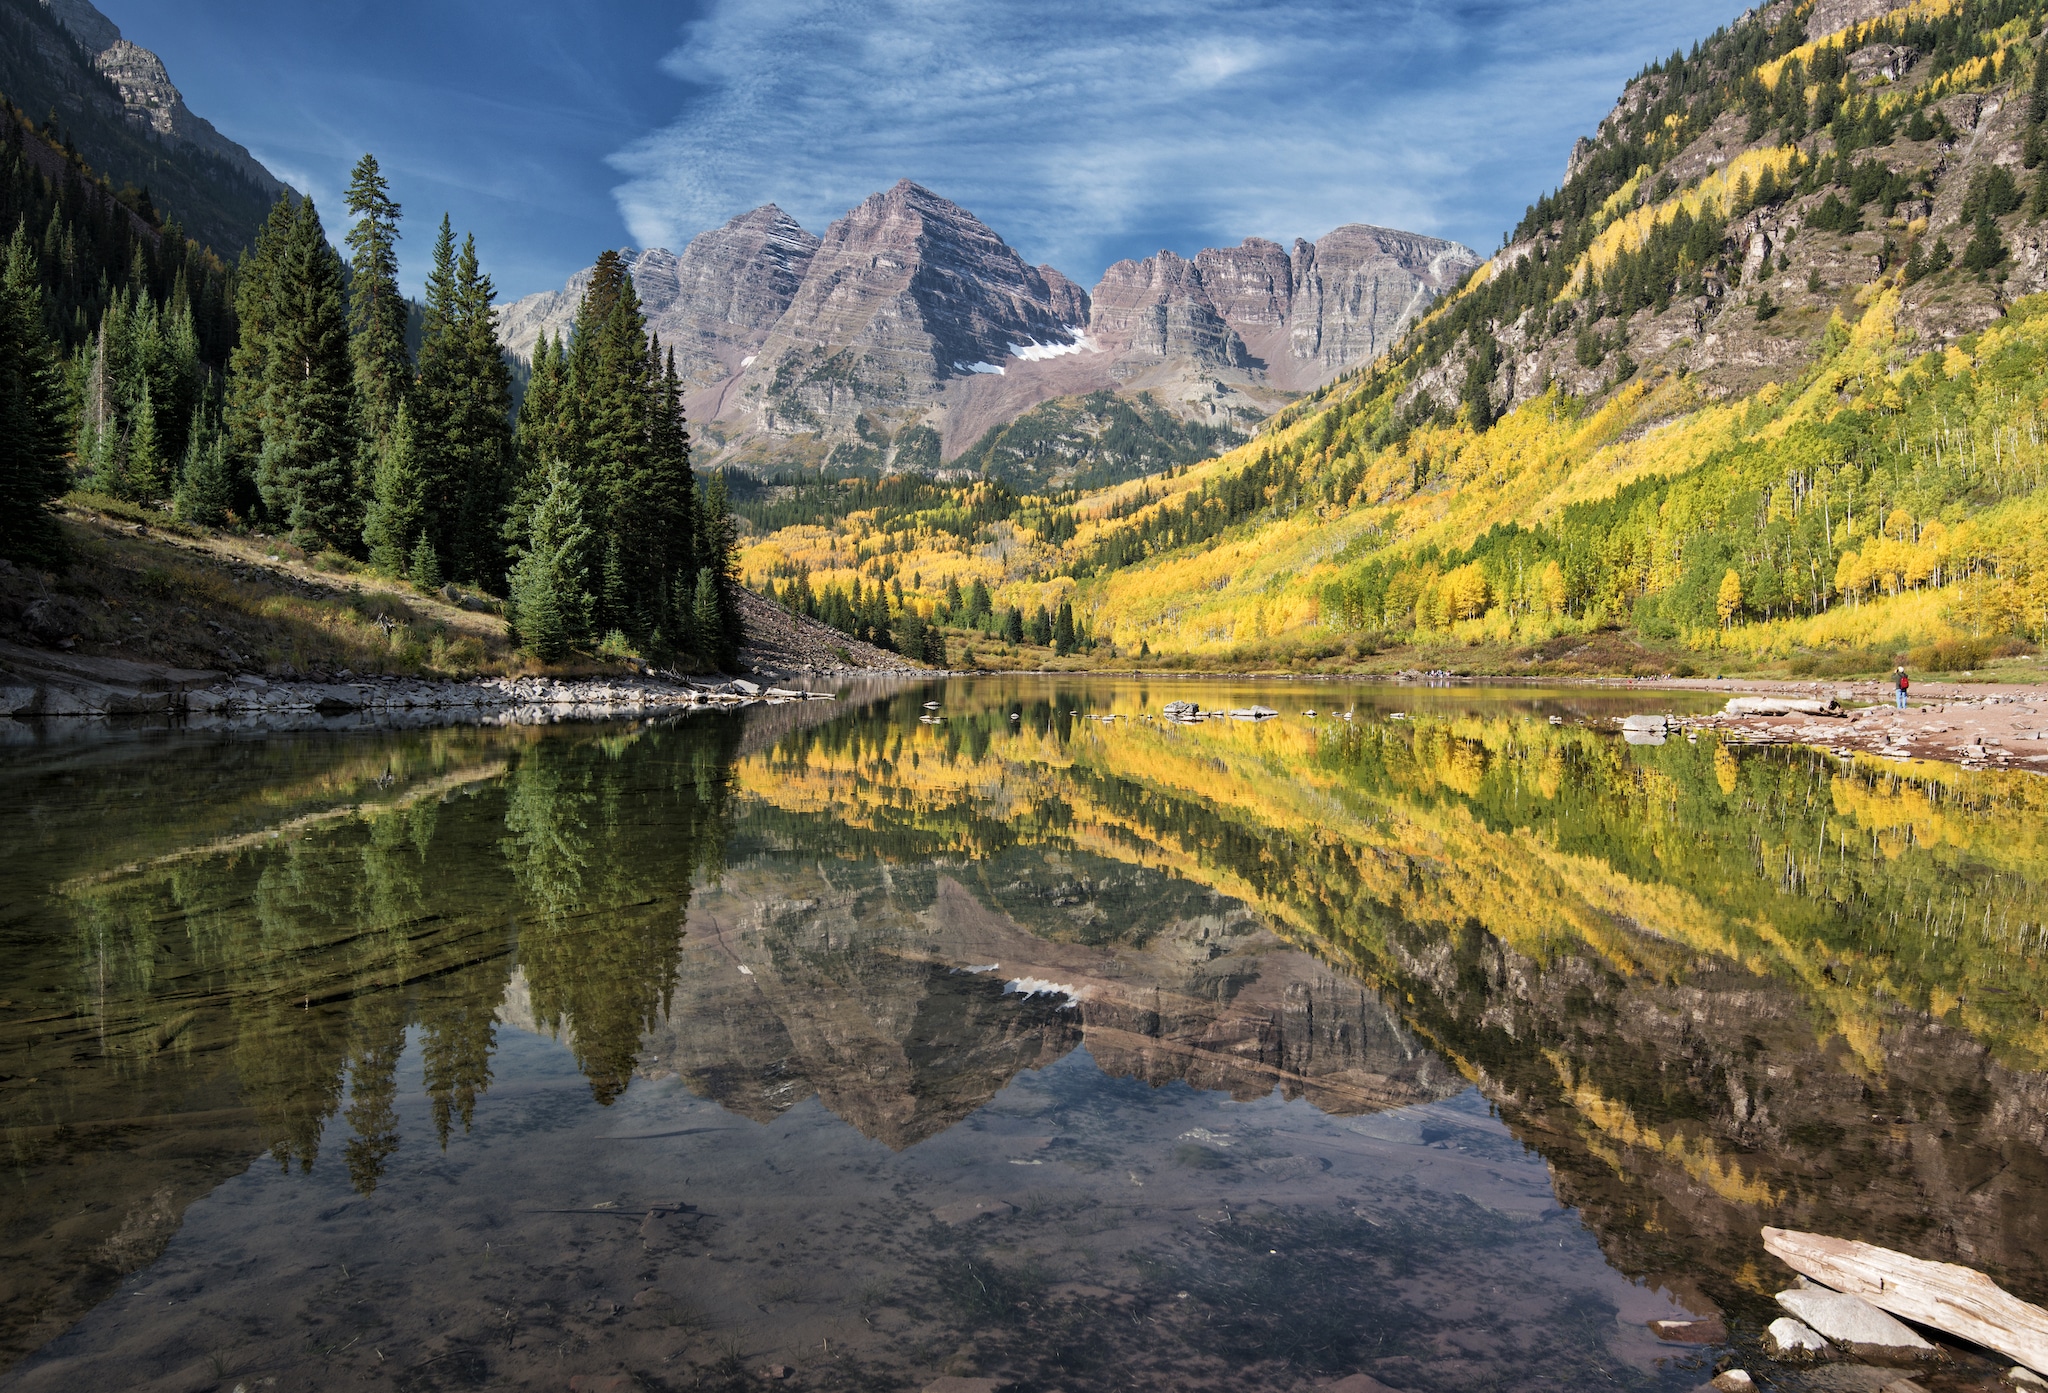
{"x": 280, "y": 395}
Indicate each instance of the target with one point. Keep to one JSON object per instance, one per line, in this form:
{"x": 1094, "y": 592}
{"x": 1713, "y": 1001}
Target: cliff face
{"x": 911, "y": 311}
{"x": 128, "y": 119}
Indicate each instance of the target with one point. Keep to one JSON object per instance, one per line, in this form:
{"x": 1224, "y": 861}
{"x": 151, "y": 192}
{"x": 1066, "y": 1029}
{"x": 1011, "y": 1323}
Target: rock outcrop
{"x": 911, "y": 311}
{"x": 153, "y": 102}
{"x": 714, "y": 304}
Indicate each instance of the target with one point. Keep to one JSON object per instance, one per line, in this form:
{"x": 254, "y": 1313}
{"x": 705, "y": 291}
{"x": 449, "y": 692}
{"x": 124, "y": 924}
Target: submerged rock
{"x": 1792, "y": 1342}
{"x": 1707, "y": 1330}
{"x": 1855, "y": 1323}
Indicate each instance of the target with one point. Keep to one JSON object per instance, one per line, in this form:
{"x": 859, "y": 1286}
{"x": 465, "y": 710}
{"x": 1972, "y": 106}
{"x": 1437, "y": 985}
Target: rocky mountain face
{"x": 126, "y": 117}
{"x": 910, "y": 312}
{"x": 904, "y": 1001}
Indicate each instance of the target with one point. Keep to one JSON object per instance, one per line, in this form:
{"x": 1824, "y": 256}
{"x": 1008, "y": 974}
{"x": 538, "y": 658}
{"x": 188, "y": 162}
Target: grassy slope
{"x": 146, "y": 589}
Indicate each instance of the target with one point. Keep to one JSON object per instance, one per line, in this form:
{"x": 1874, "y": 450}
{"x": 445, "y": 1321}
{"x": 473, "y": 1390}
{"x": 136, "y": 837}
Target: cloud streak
{"x": 1085, "y": 131}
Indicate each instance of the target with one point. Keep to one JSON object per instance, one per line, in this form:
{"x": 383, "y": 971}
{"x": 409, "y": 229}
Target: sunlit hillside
{"x": 1763, "y": 381}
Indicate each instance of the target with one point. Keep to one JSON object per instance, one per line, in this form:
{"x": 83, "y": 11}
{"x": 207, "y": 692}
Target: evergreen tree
{"x": 1013, "y": 625}
{"x": 480, "y": 427}
{"x": 607, "y": 410}
{"x": 1986, "y": 248}
{"x": 32, "y": 414}
{"x": 707, "y": 620}
{"x": 206, "y": 484}
{"x": 665, "y": 521}
{"x": 542, "y": 435}
{"x": 1063, "y": 630}
{"x": 717, "y": 548}
{"x": 307, "y": 466}
{"x": 147, "y": 478}
{"x": 376, "y": 316}
{"x": 550, "y": 596}
{"x": 249, "y": 371}
{"x": 424, "y": 566}
{"x": 398, "y": 502}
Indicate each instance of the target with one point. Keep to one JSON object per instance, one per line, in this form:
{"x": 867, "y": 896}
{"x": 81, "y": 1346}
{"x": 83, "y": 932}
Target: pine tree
{"x": 707, "y": 620}
{"x": 206, "y": 485}
{"x": 550, "y": 584}
{"x": 666, "y": 518}
{"x": 256, "y": 308}
{"x": 398, "y": 504}
{"x": 424, "y": 566}
{"x": 542, "y": 435}
{"x": 1063, "y": 630}
{"x": 376, "y": 316}
{"x": 1986, "y": 248}
{"x": 307, "y": 466}
{"x": 717, "y": 547}
{"x": 607, "y": 410}
{"x": 147, "y": 478}
{"x": 480, "y": 427}
{"x": 32, "y": 414}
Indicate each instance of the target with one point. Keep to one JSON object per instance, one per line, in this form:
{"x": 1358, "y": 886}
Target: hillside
{"x": 112, "y": 100}
{"x": 1760, "y": 383}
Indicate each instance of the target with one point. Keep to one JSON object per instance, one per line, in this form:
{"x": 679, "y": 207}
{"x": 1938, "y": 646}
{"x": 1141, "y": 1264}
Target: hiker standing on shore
{"x": 1899, "y": 681}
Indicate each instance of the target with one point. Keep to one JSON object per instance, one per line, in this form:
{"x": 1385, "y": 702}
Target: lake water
{"x": 1446, "y": 1048}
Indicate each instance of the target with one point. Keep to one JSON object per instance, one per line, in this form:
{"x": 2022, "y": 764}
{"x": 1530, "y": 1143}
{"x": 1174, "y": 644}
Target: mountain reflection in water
{"x": 1025, "y": 1044}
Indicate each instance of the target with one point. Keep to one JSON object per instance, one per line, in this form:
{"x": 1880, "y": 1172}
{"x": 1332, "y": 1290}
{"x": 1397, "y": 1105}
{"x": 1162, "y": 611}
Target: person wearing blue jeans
{"x": 1899, "y": 681}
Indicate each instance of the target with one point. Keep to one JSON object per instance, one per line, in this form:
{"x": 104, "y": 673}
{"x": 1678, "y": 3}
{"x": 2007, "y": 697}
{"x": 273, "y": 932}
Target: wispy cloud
{"x": 1085, "y": 130}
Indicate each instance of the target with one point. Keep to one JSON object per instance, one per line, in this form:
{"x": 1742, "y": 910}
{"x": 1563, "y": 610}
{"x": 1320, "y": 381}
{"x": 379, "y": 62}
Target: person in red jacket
{"x": 1899, "y": 681}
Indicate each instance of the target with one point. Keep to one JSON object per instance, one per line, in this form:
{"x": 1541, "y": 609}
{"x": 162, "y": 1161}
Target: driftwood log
{"x": 1941, "y": 1294}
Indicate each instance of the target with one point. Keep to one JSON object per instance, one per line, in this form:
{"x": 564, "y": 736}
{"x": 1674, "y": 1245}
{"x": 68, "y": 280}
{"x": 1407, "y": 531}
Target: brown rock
{"x": 967, "y": 1211}
{"x": 1708, "y": 1331}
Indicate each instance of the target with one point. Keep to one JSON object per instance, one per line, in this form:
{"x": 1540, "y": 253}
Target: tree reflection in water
{"x": 1714, "y": 988}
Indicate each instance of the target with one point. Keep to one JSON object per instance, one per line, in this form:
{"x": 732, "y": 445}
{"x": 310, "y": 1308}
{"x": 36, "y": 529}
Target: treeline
{"x": 882, "y": 615}
{"x": 119, "y": 328}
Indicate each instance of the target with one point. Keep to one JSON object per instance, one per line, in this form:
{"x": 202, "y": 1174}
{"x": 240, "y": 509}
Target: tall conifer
{"x": 481, "y": 426}
{"x": 307, "y": 465}
{"x": 464, "y": 426}
{"x": 398, "y": 505}
{"x": 550, "y": 596}
{"x": 248, "y": 401}
{"x": 32, "y": 414}
{"x": 608, "y": 406}
{"x": 376, "y": 315}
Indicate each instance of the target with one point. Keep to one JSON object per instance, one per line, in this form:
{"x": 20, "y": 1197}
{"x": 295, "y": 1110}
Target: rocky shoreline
{"x": 104, "y": 688}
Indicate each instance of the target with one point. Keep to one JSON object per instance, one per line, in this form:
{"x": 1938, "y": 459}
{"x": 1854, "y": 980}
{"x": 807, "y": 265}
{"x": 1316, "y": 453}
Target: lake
{"x": 1442, "y": 1038}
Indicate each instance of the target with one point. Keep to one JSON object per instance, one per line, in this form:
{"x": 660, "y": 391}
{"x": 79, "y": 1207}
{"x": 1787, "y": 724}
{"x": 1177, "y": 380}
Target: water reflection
{"x": 1709, "y": 987}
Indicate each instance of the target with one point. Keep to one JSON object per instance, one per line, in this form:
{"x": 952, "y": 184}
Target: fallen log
{"x": 1943, "y": 1295}
{"x": 1780, "y": 706}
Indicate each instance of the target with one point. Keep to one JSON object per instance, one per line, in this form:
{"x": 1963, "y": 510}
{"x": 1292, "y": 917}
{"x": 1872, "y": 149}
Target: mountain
{"x": 910, "y": 312}
{"x": 65, "y": 62}
{"x": 1759, "y": 385}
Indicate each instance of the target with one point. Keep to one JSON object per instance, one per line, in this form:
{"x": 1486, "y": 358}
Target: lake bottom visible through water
{"x": 1077, "y": 1230}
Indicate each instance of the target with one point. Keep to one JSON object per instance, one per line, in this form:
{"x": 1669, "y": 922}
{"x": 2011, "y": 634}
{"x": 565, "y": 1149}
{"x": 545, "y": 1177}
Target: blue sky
{"x": 1080, "y": 130}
